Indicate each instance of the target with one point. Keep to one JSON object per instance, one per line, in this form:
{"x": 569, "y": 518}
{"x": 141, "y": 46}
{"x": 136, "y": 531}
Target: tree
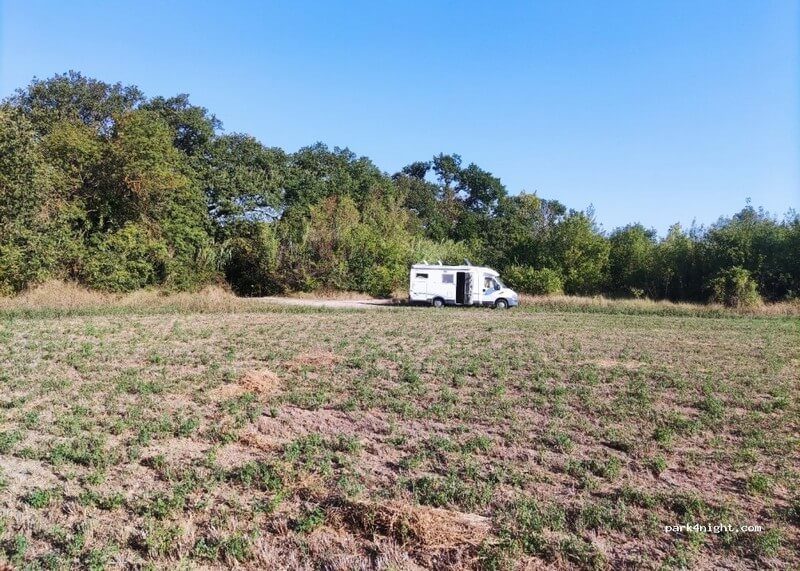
{"x": 480, "y": 189}
{"x": 521, "y": 229}
{"x": 675, "y": 272}
{"x": 36, "y": 242}
{"x": 194, "y": 126}
{"x": 146, "y": 169}
{"x": 126, "y": 259}
{"x": 580, "y": 253}
{"x": 422, "y": 198}
{"x": 244, "y": 180}
{"x": 418, "y": 170}
{"x": 151, "y": 184}
{"x": 315, "y": 172}
{"x": 379, "y": 248}
{"x": 536, "y": 282}
{"x": 76, "y": 152}
{"x": 790, "y": 260}
{"x": 72, "y": 96}
{"x": 26, "y": 181}
{"x": 753, "y": 240}
{"x": 251, "y": 265}
{"x": 459, "y": 205}
{"x": 631, "y": 260}
{"x": 331, "y": 222}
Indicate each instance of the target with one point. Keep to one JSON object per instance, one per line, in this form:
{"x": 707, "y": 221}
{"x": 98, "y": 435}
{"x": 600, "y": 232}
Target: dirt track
{"x": 366, "y": 303}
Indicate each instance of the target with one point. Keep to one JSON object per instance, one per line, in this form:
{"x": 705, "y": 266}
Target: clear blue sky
{"x": 657, "y": 112}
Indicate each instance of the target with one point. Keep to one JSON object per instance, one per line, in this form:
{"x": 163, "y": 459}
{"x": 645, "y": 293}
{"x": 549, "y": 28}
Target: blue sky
{"x": 656, "y": 111}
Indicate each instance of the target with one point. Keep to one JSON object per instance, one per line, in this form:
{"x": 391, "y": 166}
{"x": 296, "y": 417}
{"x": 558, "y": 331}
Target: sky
{"x": 654, "y": 112}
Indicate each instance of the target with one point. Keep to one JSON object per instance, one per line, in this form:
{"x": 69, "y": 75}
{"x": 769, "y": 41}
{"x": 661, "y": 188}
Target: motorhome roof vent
{"x": 440, "y": 262}
{"x": 466, "y": 262}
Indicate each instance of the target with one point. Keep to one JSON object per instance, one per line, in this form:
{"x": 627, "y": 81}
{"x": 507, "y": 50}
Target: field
{"x": 237, "y": 433}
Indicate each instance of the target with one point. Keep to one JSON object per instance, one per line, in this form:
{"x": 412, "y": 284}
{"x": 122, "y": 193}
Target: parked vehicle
{"x": 440, "y": 285}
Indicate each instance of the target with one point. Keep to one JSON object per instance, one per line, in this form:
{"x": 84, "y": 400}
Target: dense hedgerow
{"x": 101, "y": 185}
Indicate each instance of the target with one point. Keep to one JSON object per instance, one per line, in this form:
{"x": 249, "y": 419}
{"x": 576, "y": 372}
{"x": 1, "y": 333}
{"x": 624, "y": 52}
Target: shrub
{"x": 530, "y": 280}
{"x": 381, "y": 281}
{"x": 376, "y": 260}
{"x": 125, "y": 260}
{"x": 735, "y": 287}
{"x": 252, "y": 259}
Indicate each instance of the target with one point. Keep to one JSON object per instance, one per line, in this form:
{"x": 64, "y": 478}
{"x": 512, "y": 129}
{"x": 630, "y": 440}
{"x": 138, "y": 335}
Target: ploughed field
{"x": 402, "y": 438}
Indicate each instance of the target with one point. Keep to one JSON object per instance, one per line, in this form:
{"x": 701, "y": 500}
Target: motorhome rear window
{"x": 447, "y": 278}
{"x": 423, "y": 276}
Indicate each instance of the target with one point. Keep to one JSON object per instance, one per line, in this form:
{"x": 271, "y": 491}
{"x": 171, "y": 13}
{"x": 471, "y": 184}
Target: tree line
{"x": 119, "y": 191}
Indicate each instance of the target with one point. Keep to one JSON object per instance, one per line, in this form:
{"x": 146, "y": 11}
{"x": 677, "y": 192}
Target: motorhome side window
{"x": 489, "y": 283}
{"x": 422, "y": 276}
{"x": 447, "y": 278}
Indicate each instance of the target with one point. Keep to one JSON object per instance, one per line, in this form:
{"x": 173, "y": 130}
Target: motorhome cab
{"x": 441, "y": 285}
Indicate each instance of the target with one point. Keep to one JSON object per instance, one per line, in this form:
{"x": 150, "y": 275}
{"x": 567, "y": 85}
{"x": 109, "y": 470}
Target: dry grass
{"x": 68, "y": 296}
{"x": 658, "y": 307}
{"x": 58, "y": 297}
{"x": 420, "y": 527}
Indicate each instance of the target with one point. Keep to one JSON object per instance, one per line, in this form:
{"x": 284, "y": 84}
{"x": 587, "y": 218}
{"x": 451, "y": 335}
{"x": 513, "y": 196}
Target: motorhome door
{"x": 461, "y": 279}
{"x": 463, "y": 288}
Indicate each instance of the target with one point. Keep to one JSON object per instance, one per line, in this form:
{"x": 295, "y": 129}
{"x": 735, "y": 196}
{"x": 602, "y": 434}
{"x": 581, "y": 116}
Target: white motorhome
{"x": 439, "y": 285}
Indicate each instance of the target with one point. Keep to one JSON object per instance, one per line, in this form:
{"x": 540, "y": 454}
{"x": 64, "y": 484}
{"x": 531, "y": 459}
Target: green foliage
{"x": 735, "y": 287}
{"x": 330, "y": 224}
{"x": 580, "y": 253}
{"x": 105, "y": 186}
{"x": 379, "y": 248}
{"x": 522, "y": 228}
{"x": 148, "y": 169}
{"x": 72, "y": 96}
{"x": 315, "y": 173}
{"x": 244, "y": 179}
{"x": 675, "y": 272}
{"x": 36, "y": 242}
{"x": 41, "y": 498}
{"x": 193, "y": 127}
{"x": 125, "y": 260}
{"x": 536, "y": 282}
{"x": 631, "y": 260}
{"x": 76, "y": 153}
{"x": 344, "y": 248}
{"x": 252, "y": 259}
{"x": 448, "y": 251}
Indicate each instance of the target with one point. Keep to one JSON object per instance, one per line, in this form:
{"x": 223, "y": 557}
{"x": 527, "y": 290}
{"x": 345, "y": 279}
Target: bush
{"x": 735, "y": 287}
{"x": 252, "y": 259}
{"x": 25, "y": 259}
{"x": 526, "y": 279}
{"x": 125, "y": 260}
{"x": 376, "y": 262}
